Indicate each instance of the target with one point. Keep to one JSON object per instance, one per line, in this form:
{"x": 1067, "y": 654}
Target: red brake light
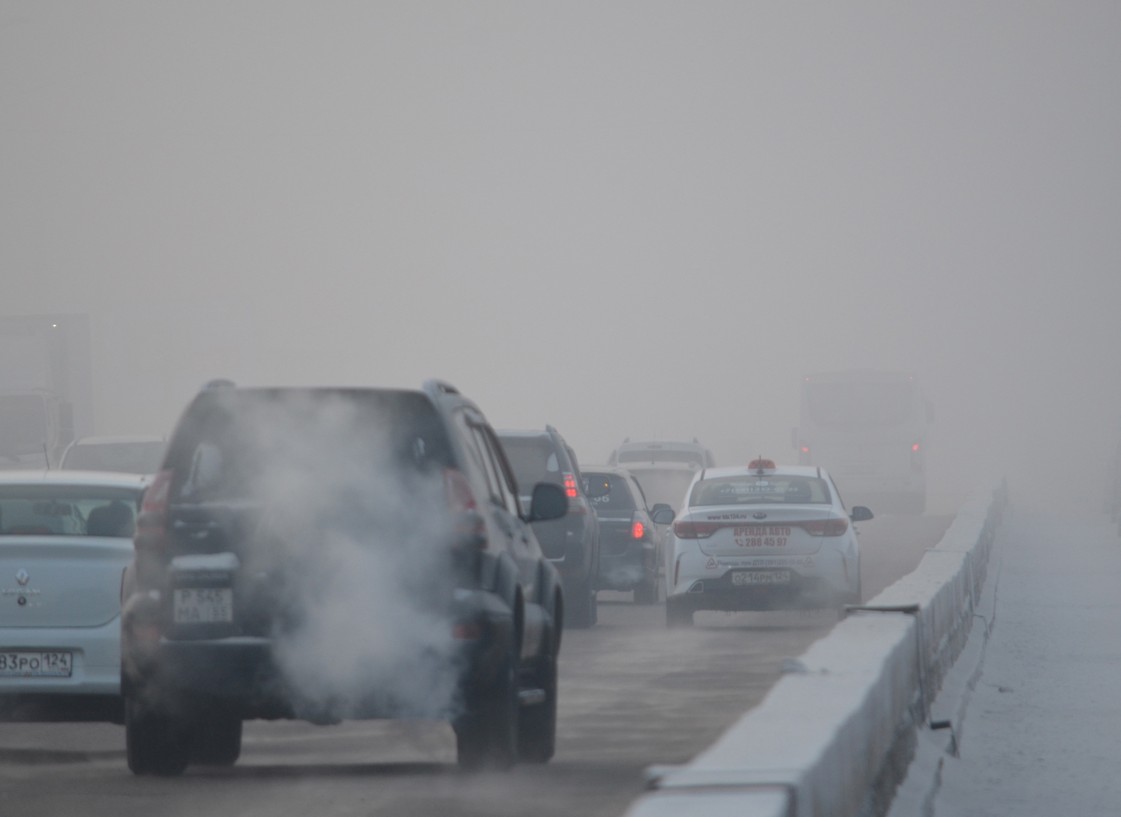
{"x": 151, "y": 523}
{"x": 466, "y": 521}
{"x": 570, "y": 486}
{"x": 638, "y": 530}
{"x": 695, "y": 530}
{"x": 826, "y": 527}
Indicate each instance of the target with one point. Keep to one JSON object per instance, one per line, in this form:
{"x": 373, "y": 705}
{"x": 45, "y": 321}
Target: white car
{"x": 133, "y": 454}
{"x": 65, "y": 541}
{"x": 762, "y": 537}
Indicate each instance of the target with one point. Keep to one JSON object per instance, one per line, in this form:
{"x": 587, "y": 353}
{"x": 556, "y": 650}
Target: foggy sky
{"x": 625, "y": 219}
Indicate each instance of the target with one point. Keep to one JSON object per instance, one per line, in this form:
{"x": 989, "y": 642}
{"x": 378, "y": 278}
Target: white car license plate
{"x": 744, "y": 577}
{"x": 39, "y": 664}
{"x": 204, "y": 605}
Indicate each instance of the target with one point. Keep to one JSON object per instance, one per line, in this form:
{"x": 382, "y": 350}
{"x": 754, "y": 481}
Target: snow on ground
{"x": 1037, "y": 708}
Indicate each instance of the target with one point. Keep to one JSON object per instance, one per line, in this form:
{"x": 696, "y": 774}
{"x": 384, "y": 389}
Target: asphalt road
{"x": 632, "y": 693}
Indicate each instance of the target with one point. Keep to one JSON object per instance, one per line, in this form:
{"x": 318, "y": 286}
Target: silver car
{"x": 65, "y": 541}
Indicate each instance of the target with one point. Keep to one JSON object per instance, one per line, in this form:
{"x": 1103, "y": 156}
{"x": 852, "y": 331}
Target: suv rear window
{"x": 229, "y": 438}
{"x": 618, "y": 497}
{"x": 754, "y": 489}
{"x": 534, "y": 460}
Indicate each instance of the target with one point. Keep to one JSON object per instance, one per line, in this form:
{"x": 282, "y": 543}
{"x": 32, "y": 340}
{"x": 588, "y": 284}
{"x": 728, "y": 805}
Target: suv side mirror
{"x": 549, "y": 502}
{"x": 662, "y": 514}
{"x": 860, "y": 514}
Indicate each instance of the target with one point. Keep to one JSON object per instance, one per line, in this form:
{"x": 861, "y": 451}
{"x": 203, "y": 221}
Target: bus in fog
{"x": 869, "y": 429}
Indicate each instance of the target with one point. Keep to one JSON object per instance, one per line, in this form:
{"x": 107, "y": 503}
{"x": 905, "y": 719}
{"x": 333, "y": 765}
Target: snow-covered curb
{"x": 834, "y": 736}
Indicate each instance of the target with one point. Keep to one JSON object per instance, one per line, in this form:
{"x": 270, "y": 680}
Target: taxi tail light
{"x": 467, "y": 522}
{"x": 686, "y": 529}
{"x": 826, "y": 527}
{"x": 151, "y": 522}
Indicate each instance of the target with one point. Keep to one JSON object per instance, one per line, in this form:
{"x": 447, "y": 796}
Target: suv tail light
{"x": 695, "y": 530}
{"x": 467, "y": 522}
{"x": 151, "y": 523}
{"x": 826, "y": 527}
{"x": 570, "y": 486}
{"x": 638, "y": 530}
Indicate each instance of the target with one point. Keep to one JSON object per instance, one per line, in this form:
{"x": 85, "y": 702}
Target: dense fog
{"x": 626, "y": 219}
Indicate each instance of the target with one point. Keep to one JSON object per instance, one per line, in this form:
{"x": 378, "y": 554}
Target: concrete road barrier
{"x": 835, "y": 735}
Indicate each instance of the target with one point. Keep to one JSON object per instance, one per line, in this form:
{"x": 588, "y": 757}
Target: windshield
{"x": 755, "y": 489}
{"x": 860, "y": 406}
{"x": 67, "y": 510}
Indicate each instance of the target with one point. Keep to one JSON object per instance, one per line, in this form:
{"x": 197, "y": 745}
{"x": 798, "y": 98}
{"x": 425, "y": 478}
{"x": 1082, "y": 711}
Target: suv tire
{"x": 486, "y": 737}
{"x": 646, "y": 592}
{"x": 155, "y": 742}
{"x": 583, "y": 607}
{"x": 678, "y": 613}
{"x": 217, "y": 739}
{"x": 537, "y": 723}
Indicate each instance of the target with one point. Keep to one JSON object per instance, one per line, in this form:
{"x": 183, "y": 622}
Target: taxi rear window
{"x": 753, "y": 489}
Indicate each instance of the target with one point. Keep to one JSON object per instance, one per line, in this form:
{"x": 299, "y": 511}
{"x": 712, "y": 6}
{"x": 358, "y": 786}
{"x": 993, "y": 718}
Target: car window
{"x": 757, "y": 489}
{"x": 507, "y": 483}
{"x": 618, "y": 497}
{"x": 68, "y": 510}
{"x": 533, "y": 459}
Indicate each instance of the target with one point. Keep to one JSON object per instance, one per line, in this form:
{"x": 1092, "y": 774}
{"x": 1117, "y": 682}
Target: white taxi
{"x": 763, "y": 537}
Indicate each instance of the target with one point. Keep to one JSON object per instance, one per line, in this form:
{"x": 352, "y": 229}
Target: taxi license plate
{"x": 745, "y": 577}
{"x": 204, "y": 605}
{"x": 38, "y": 664}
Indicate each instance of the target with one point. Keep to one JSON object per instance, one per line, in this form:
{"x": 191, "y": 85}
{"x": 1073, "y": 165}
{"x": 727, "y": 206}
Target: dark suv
{"x": 572, "y": 542}
{"x": 632, "y": 547}
{"x": 329, "y": 554}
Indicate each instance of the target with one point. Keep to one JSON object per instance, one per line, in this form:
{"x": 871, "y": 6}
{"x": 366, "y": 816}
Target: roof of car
{"x": 778, "y": 470}
{"x": 100, "y": 479}
{"x": 654, "y": 445}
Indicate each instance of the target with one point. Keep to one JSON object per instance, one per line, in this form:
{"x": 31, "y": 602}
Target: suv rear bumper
{"x": 247, "y": 675}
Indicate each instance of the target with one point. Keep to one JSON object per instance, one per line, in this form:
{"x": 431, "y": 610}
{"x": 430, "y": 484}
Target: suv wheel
{"x": 217, "y": 739}
{"x": 487, "y": 735}
{"x": 678, "y": 613}
{"x": 155, "y": 741}
{"x": 582, "y": 609}
{"x": 647, "y": 591}
{"x": 537, "y": 724}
